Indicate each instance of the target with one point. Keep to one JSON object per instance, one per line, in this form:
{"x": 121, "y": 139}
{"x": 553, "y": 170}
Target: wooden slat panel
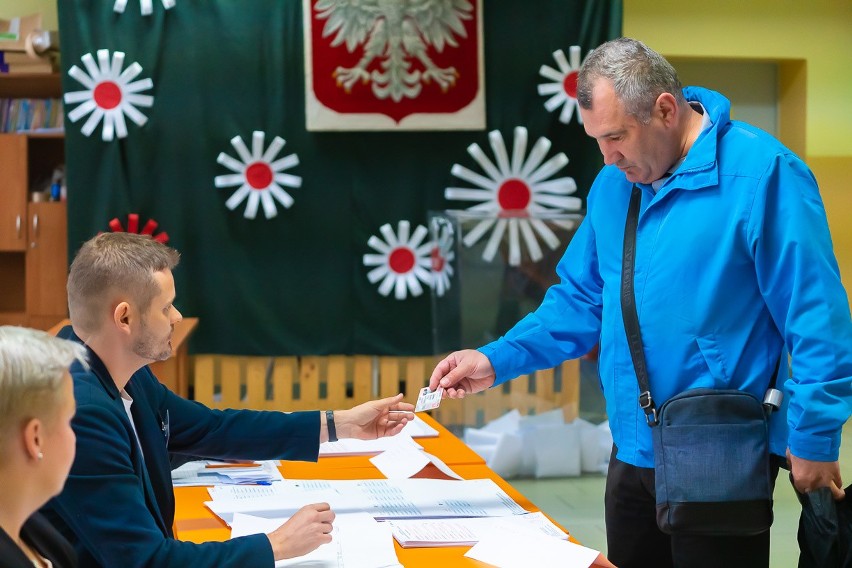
{"x": 362, "y": 377}
{"x": 388, "y": 376}
{"x": 309, "y": 378}
{"x": 230, "y": 373}
{"x": 417, "y": 371}
{"x": 544, "y": 397}
{"x": 283, "y": 373}
{"x": 335, "y": 378}
{"x": 204, "y": 377}
{"x": 337, "y": 370}
{"x": 571, "y": 389}
{"x": 256, "y": 368}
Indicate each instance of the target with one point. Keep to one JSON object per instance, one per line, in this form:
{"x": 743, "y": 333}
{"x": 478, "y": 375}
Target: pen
{"x": 402, "y": 411}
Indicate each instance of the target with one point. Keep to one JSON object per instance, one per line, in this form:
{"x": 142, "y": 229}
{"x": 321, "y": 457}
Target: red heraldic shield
{"x": 394, "y": 65}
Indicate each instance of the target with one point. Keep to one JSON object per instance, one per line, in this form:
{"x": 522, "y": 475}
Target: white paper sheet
{"x": 427, "y": 533}
{"x": 358, "y": 541}
{"x": 418, "y": 428}
{"x": 381, "y": 498}
{"x": 351, "y": 447}
{"x": 402, "y": 463}
{"x": 506, "y": 549}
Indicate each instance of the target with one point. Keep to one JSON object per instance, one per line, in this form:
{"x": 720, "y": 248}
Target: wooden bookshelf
{"x": 33, "y": 235}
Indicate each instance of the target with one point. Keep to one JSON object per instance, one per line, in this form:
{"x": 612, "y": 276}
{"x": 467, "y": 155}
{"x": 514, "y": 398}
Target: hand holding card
{"x": 428, "y": 400}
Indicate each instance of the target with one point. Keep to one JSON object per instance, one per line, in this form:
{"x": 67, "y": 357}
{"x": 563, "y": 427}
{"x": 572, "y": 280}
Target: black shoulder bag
{"x": 711, "y": 446}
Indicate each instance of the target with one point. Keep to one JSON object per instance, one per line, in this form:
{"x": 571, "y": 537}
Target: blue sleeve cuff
{"x": 814, "y": 447}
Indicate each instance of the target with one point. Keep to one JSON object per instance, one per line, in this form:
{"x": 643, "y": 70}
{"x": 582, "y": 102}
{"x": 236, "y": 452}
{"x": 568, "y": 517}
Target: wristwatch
{"x": 329, "y": 422}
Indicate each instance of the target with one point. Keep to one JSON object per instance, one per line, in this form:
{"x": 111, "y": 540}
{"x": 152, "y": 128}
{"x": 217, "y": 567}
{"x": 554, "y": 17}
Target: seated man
{"x": 118, "y": 504}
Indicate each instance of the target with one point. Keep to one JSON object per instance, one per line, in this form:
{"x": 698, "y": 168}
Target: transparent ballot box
{"x": 490, "y": 272}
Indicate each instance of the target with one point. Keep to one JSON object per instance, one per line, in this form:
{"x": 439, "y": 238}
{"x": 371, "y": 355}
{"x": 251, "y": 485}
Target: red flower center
{"x": 513, "y": 194}
{"x": 107, "y": 95}
{"x": 569, "y": 83}
{"x": 438, "y": 260}
{"x": 401, "y": 260}
{"x": 259, "y": 175}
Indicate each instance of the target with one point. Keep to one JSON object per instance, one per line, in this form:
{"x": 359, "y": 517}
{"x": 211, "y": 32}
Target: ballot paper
{"x": 211, "y": 472}
{"x": 381, "y": 498}
{"x": 429, "y": 533}
{"x": 401, "y": 463}
{"x": 358, "y": 541}
{"x": 352, "y": 447}
{"x": 418, "y": 428}
{"x": 428, "y": 399}
{"x": 511, "y": 549}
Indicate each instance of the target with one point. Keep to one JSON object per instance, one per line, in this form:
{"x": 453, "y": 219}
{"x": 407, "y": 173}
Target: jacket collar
{"x": 699, "y": 169}
{"x": 96, "y": 366}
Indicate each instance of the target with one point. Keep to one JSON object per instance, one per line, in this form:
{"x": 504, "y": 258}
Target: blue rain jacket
{"x": 734, "y": 264}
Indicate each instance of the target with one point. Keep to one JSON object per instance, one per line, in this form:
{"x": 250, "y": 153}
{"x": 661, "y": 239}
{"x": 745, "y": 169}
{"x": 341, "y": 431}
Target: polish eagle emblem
{"x": 396, "y": 36}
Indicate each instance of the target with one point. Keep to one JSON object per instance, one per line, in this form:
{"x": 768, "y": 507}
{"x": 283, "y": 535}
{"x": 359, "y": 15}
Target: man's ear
{"x": 122, "y": 316}
{"x": 666, "y": 109}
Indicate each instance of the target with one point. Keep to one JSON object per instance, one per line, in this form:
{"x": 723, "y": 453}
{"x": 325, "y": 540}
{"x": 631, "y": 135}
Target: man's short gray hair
{"x": 32, "y": 365}
{"x": 112, "y": 263}
{"x": 639, "y": 75}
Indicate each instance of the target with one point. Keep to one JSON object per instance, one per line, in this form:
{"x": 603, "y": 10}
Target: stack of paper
{"x": 210, "y": 472}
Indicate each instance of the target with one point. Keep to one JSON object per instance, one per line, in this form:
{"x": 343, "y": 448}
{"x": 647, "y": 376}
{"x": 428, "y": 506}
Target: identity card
{"x": 428, "y": 400}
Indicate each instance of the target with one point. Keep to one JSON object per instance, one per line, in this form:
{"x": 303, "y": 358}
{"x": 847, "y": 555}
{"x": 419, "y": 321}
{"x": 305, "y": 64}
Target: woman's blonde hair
{"x": 32, "y": 365}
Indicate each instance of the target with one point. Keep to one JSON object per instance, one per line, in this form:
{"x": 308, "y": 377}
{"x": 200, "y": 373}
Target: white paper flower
{"x": 513, "y": 193}
{"x": 442, "y": 257}
{"x": 146, "y": 6}
{"x": 402, "y": 262}
{"x": 110, "y": 94}
{"x": 259, "y": 177}
{"x": 563, "y": 87}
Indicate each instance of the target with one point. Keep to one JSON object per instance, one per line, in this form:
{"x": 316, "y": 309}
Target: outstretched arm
{"x": 371, "y": 420}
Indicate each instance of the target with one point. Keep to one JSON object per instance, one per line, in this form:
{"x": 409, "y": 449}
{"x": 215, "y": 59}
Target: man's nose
{"x": 610, "y": 155}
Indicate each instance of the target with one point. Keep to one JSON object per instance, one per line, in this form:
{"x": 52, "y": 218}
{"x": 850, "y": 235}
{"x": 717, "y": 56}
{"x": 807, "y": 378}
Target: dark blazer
{"x": 44, "y": 539}
{"x": 117, "y": 507}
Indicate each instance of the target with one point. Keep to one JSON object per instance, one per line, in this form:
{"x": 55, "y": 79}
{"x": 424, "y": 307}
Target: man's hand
{"x": 374, "y": 419}
{"x": 463, "y": 372}
{"x": 809, "y": 475}
{"x": 303, "y": 532}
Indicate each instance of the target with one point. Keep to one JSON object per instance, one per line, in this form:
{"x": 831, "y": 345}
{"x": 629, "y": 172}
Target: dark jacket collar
{"x": 95, "y": 364}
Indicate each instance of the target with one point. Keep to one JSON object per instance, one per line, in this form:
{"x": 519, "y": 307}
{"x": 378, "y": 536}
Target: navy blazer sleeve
{"x": 118, "y": 501}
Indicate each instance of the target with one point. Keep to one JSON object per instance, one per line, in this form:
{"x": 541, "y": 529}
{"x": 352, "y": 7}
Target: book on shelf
{"x": 26, "y": 115}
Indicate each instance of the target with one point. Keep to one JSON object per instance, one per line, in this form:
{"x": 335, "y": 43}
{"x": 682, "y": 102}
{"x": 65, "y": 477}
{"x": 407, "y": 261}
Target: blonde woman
{"x": 36, "y": 443}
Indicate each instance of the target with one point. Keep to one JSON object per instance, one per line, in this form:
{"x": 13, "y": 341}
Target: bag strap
{"x": 628, "y": 308}
{"x": 772, "y": 400}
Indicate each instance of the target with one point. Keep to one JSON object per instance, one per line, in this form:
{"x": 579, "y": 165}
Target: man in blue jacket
{"x": 118, "y": 506}
{"x": 734, "y": 265}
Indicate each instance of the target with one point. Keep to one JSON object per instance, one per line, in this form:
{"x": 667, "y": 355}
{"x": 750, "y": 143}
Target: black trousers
{"x": 634, "y": 540}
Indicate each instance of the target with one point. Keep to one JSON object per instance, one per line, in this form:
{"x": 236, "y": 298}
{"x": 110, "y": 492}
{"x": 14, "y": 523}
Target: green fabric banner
{"x": 294, "y": 283}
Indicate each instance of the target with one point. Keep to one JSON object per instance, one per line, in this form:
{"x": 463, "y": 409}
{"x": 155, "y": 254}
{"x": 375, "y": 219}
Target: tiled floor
{"x": 577, "y": 504}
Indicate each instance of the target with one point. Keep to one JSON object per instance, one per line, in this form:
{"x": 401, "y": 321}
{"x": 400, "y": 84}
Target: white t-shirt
{"x": 128, "y": 402}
